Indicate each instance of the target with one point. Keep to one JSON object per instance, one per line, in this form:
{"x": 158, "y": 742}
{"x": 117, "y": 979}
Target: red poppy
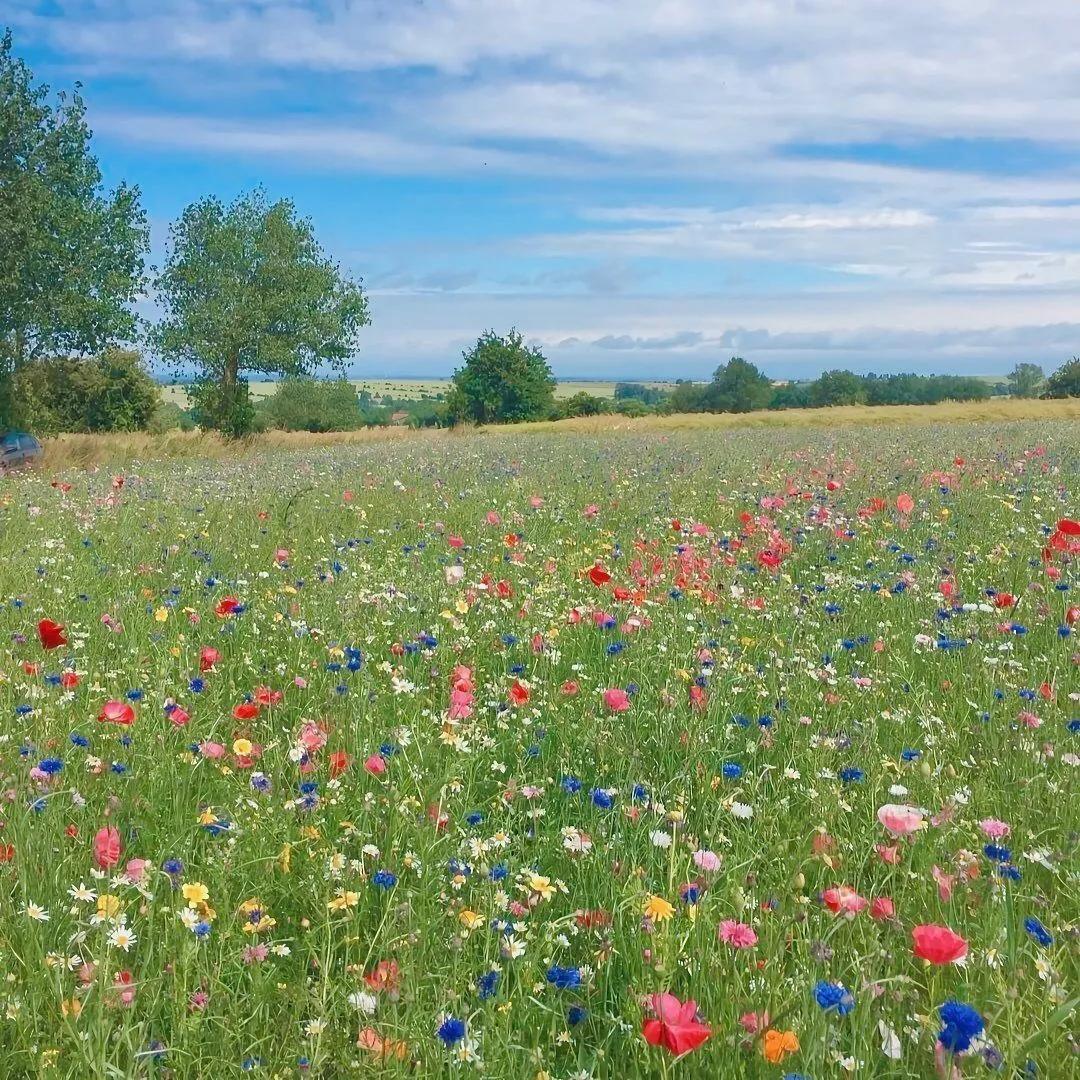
{"x": 51, "y": 634}
{"x": 938, "y": 944}
{"x": 116, "y": 712}
{"x": 7, "y": 853}
{"x": 905, "y": 503}
{"x": 208, "y": 657}
{"x": 69, "y": 679}
{"x": 226, "y": 606}
{"x": 519, "y": 693}
{"x": 1004, "y": 600}
{"x": 246, "y": 710}
{"x": 599, "y": 576}
{"x": 265, "y": 696}
{"x": 339, "y": 762}
{"x": 675, "y": 1026}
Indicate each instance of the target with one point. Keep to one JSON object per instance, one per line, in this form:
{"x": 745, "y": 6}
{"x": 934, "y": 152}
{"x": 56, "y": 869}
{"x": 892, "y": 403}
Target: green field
{"x": 454, "y": 755}
{"x": 412, "y": 389}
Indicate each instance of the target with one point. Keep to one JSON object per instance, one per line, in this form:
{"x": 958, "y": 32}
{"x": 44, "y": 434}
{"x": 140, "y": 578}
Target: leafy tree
{"x": 503, "y": 380}
{"x": 1065, "y": 382}
{"x": 837, "y": 388}
{"x": 737, "y": 387}
{"x": 71, "y": 254}
{"x": 1025, "y": 380}
{"x": 247, "y": 288}
{"x": 301, "y": 404}
{"x": 110, "y": 392}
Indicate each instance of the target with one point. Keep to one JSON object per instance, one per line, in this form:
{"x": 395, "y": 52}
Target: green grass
{"x": 829, "y": 661}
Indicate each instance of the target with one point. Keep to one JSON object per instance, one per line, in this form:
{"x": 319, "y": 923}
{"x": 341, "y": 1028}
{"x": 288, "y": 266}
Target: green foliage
{"x": 225, "y": 408}
{"x": 632, "y": 391}
{"x": 110, "y": 392}
{"x": 909, "y": 389}
{"x": 301, "y": 404}
{"x": 736, "y": 387}
{"x": 580, "y": 404}
{"x": 791, "y": 395}
{"x": 71, "y": 254}
{"x": 247, "y": 288}
{"x": 1026, "y": 380}
{"x": 503, "y": 380}
{"x": 168, "y": 416}
{"x": 1065, "y": 382}
{"x": 837, "y": 388}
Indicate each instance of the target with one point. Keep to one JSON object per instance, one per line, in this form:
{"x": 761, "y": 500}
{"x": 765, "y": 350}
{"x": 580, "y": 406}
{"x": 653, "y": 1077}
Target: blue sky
{"x": 644, "y": 187}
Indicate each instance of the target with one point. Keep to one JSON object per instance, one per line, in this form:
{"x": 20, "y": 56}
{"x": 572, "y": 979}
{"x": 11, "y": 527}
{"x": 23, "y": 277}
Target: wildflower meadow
{"x": 705, "y": 753}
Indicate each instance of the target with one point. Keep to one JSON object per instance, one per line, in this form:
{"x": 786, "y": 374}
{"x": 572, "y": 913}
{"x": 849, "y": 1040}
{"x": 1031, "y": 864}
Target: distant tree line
{"x": 245, "y": 288}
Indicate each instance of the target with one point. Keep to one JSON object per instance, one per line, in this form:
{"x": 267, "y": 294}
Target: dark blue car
{"x": 19, "y": 450}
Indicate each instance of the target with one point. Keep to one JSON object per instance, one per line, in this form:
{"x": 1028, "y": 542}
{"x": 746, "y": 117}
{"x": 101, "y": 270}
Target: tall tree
{"x": 503, "y": 380}
{"x": 71, "y": 253}
{"x": 1025, "y": 380}
{"x": 1065, "y": 382}
{"x": 738, "y": 386}
{"x": 246, "y": 287}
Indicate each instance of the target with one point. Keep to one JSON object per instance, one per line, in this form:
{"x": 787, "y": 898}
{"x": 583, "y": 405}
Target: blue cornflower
{"x": 732, "y": 770}
{"x": 50, "y": 765}
{"x": 202, "y": 930}
{"x": 833, "y": 997}
{"x": 173, "y": 867}
{"x": 851, "y": 774}
{"x": 576, "y": 1014}
{"x": 640, "y": 793}
{"x": 998, "y": 854}
{"x": 384, "y": 879}
{"x": 487, "y": 984}
{"x": 960, "y": 1024}
{"x": 602, "y": 799}
{"x": 79, "y": 740}
{"x": 1038, "y": 931}
{"x": 196, "y": 686}
{"x": 451, "y": 1030}
{"x": 564, "y": 978}
{"x": 571, "y": 785}
{"x": 475, "y": 818}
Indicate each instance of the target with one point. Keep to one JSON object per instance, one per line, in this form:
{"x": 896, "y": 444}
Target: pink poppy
{"x": 117, "y": 712}
{"x": 706, "y": 860}
{"x": 843, "y": 900}
{"x": 994, "y": 829}
{"x": 107, "y": 847}
{"x": 900, "y": 820}
{"x": 616, "y": 700}
{"x": 212, "y": 750}
{"x": 738, "y": 935}
{"x": 882, "y": 908}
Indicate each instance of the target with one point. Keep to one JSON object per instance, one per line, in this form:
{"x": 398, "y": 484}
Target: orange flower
{"x": 778, "y": 1044}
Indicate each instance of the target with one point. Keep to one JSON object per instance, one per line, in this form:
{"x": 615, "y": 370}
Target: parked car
{"x": 19, "y": 450}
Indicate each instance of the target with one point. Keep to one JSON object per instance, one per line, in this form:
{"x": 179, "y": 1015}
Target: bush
{"x": 301, "y": 404}
{"x": 1065, "y": 382}
{"x": 110, "y": 392}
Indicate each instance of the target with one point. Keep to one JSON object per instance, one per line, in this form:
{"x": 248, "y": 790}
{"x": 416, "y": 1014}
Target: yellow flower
{"x": 344, "y": 900}
{"x": 657, "y": 908}
{"x": 207, "y": 817}
{"x": 108, "y": 905}
{"x": 241, "y": 747}
{"x": 161, "y": 614}
{"x": 537, "y": 883}
{"x": 195, "y": 892}
{"x": 471, "y": 920}
{"x": 71, "y": 1006}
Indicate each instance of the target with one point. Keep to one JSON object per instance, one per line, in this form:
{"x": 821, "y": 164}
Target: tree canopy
{"x": 502, "y": 380}
{"x": 71, "y": 254}
{"x": 246, "y": 288}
